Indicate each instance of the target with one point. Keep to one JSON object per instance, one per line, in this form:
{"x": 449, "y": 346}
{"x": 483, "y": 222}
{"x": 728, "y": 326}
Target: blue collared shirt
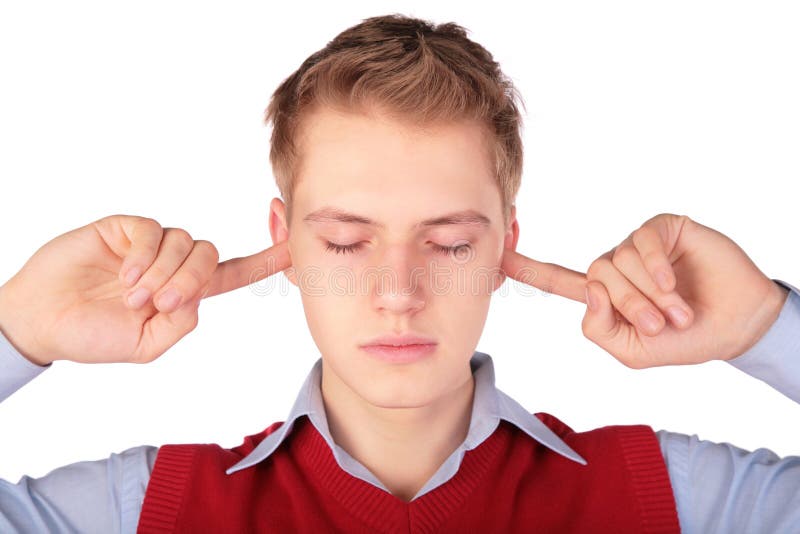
{"x": 717, "y": 486}
{"x": 489, "y": 405}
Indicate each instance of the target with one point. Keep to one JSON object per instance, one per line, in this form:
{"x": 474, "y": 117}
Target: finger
{"x": 628, "y": 260}
{"x": 163, "y": 330}
{"x": 604, "y": 326}
{"x": 133, "y": 238}
{"x": 188, "y": 280}
{"x": 652, "y": 247}
{"x": 175, "y": 247}
{"x": 626, "y": 298}
{"x": 545, "y": 276}
{"x": 145, "y": 237}
{"x": 238, "y": 272}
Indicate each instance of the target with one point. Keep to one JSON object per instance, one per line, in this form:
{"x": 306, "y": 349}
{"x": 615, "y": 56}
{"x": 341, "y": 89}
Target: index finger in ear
{"x": 548, "y": 277}
{"x": 238, "y": 272}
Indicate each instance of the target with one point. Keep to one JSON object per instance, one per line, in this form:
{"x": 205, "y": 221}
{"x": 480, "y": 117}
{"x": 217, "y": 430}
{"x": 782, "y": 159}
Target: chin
{"x": 396, "y": 393}
{"x": 385, "y": 401}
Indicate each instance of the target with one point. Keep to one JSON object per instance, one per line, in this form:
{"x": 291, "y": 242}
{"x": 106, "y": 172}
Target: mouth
{"x": 405, "y": 348}
{"x": 400, "y": 353}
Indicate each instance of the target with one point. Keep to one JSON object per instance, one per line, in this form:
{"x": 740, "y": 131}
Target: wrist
{"x": 12, "y": 327}
{"x": 765, "y": 316}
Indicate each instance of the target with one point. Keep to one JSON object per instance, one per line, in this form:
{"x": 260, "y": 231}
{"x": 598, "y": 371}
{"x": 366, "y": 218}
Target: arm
{"x": 719, "y": 487}
{"x": 677, "y": 292}
{"x": 97, "y": 496}
{"x": 109, "y": 276}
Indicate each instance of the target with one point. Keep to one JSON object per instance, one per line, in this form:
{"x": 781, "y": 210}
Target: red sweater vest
{"x": 509, "y": 483}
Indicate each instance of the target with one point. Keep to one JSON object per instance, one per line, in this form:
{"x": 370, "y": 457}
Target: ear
{"x": 509, "y": 242}
{"x": 512, "y": 232}
{"x": 279, "y": 231}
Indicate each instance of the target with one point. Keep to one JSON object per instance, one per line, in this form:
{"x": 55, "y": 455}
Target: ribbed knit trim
{"x": 379, "y": 509}
{"x": 166, "y": 489}
{"x": 649, "y": 479}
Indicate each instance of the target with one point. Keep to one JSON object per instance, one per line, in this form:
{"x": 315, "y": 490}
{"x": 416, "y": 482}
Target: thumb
{"x": 163, "y": 330}
{"x": 601, "y": 323}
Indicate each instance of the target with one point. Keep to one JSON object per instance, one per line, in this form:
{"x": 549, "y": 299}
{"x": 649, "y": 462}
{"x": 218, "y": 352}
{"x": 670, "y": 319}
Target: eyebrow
{"x": 464, "y": 217}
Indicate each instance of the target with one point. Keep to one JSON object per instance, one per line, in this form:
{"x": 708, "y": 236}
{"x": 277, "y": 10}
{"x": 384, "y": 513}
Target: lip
{"x": 398, "y": 340}
{"x": 406, "y": 348}
{"x": 401, "y": 354}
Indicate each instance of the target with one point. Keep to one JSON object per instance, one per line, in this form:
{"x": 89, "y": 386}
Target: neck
{"x": 405, "y": 446}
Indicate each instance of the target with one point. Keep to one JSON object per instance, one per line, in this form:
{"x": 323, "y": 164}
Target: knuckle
{"x": 104, "y": 219}
{"x": 643, "y": 234}
{"x": 208, "y": 246}
{"x": 154, "y": 273}
{"x": 651, "y": 256}
{"x": 181, "y": 236}
{"x": 658, "y": 217}
{"x": 628, "y": 303}
{"x": 623, "y": 255}
{"x": 149, "y": 222}
{"x": 653, "y": 263}
{"x": 671, "y": 217}
{"x": 189, "y": 279}
{"x": 150, "y": 234}
{"x": 597, "y": 268}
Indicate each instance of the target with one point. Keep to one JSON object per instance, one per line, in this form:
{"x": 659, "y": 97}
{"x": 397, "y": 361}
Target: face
{"x": 418, "y": 250}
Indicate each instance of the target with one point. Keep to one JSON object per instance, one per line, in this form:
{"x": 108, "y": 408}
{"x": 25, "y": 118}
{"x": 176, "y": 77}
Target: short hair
{"x": 416, "y": 71}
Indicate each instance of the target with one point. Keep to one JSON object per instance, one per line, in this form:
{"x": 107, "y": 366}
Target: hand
{"x": 69, "y": 301}
{"x": 670, "y": 262}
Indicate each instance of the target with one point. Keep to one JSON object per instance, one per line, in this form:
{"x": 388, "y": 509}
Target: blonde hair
{"x": 420, "y": 72}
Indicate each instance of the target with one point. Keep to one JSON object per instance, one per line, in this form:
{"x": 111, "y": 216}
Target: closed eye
{"x": 342, "y": 249}
{"x": 451, "y": 250}
{"x": 348, "y": 249}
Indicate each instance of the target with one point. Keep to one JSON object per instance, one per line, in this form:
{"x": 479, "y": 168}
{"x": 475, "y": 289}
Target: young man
{"x": 397, "y": 153}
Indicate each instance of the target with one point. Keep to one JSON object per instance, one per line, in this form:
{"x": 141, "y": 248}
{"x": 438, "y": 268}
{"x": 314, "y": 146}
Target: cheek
{"x": 331, "y": 321}
{"x": 322, "y": 278}
{"x": 471, "y": 282}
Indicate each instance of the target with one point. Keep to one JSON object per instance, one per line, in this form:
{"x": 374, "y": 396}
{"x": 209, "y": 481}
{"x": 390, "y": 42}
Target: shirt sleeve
{"x": 15, "y": 369}
{"x": 719, "y": 487}
{"x": 103, "y": 496}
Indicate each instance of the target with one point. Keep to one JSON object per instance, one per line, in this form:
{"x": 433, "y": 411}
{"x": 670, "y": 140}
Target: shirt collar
{"x": 488, "y": 407}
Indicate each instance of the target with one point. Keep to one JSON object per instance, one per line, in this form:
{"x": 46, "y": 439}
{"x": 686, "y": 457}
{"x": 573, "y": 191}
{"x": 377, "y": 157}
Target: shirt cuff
{"x": 775, "y": 358}
{"x": 15, "y": 369}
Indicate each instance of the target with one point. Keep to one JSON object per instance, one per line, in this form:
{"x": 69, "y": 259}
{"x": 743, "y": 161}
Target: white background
{"x": 155, "y": 108}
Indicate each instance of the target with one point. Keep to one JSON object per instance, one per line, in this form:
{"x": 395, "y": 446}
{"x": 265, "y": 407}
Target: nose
{"x": 397, "y": 285}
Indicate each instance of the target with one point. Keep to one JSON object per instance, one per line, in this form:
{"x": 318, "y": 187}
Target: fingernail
{"x": 132, "y": 275}
{"x": 138, "y": 297}
{"x": 648, "y": 320}
{"x": 169, "y": 299}
{"x": 677, "y": 315}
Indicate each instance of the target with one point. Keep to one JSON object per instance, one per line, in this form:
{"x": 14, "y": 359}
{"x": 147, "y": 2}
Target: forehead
{"x": 369, "y": 160}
